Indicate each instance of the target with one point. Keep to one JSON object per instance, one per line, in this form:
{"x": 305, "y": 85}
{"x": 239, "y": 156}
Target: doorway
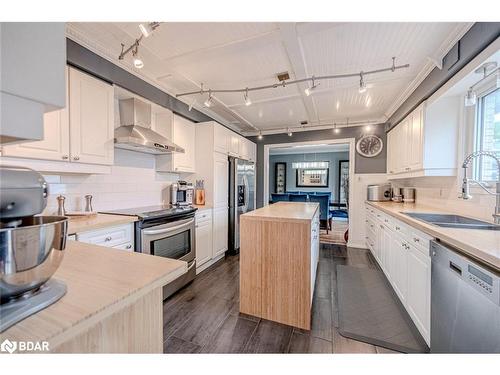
{"x": 309, "y": 171}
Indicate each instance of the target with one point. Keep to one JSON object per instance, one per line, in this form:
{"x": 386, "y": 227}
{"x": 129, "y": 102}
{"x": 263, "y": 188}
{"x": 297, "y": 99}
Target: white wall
{"x": 133, "y": 182}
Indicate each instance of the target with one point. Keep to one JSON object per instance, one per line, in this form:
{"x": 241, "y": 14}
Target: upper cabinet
{"x": 79, "y": 133}
{"x": 425, "y": 142}
{"x": 182, "y": 133}
{"x": 32, "y": 63}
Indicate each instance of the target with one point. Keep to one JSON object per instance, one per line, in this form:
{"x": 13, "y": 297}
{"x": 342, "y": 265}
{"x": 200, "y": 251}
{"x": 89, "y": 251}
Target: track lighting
{"x": 190, "y": 108}
{"x": 247, "y": 98}
{"x": 309, "y": 90}
{"x": 260, "y": 135}
{"x": 148, "y": 29}
{"x": 138, "y": 63}
{"x": 208, "y": 103}
{"x": 362, "y": 84}
{"x": 368, "y": 128}
{"x": 335, "y": 129}
{"x": 470, "y": 98}
{"x": 289, "y": 132}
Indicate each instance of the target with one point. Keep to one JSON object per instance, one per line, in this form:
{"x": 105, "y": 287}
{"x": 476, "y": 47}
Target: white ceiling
{"x": 309, "y": 149}
{"x": 178, "y": 57}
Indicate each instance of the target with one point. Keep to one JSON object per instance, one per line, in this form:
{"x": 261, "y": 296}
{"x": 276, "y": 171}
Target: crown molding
{"x": 432, "y": 62}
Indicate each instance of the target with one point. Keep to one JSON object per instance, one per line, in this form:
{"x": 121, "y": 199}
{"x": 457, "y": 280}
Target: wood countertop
{"x": 482, "y": 245}
{"x": 101, "y": 281}
{"x": 290, "y": 211}
{"x": 79, "y": 224}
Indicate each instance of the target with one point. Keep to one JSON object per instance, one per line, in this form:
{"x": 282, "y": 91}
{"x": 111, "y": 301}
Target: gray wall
{"x": 291, "y": 174}
{"x": 480, "y": 35}
{"x": 362, "y": 164}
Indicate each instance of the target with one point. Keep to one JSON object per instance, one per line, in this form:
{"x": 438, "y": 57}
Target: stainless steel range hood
{"x": 135, "y": 131}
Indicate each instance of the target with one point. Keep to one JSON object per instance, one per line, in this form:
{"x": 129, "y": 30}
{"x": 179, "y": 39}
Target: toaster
{"x": 379, "y": 193}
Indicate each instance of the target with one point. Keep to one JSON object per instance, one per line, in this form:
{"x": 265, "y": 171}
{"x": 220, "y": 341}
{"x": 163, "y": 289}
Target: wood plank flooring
{"x": 203, "y": 317}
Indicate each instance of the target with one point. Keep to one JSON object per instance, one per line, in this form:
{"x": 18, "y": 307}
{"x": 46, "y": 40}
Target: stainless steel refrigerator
{"x": 241, "y": 198}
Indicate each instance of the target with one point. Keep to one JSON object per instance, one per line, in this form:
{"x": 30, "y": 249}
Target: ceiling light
{"x": 337, "y": 105}
{"x": 260, "y": 135}
{"x": 309, "y": 90}
{"x": 368, "y": 128}
{"x": 289, "y": 132}
{"x": 362, "y": 84}
{"x": 335, "y": 129}
{"x": 470, "y": 98}
{"x": 191, "y": 105}
{"x": 138, "y": 63}
{"x": 147, "y": 29}
{"x": 247, "y": 98}
{"x": 209, "y": 102}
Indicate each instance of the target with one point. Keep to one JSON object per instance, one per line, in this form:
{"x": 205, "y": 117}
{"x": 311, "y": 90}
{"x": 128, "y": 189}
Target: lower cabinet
{"x": 220, "y": 231}
{"x": 204, "y": 245}
{"x": 118, "y": 237}
{"x": 403, "y": 254}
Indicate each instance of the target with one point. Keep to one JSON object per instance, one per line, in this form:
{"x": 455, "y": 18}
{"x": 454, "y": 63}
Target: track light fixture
{"x": 470, "y": 98}
{"x": 146, "y": 31}
{"x": 312, "y": 79}
{"x": 209, "y": 102}
{"x": 289, "y": 132}
{"x": 190, "y": 108}
{"x": 247, "y": 98}
{"x": 335, "y": 129}
{"x": 362, "y": 84}
{"x": 260, "y": 135}
{"x": 309, "y": 90}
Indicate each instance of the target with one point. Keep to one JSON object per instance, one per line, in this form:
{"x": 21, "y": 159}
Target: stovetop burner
{"x": 149, "y": 212}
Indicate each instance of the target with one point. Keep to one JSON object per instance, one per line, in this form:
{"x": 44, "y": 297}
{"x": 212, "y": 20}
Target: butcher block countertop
{"x": 79, "y": 224}
{"x": 101, "y": 283}
{"x": 290, "y": 211}
{"x": 482, "y": 245}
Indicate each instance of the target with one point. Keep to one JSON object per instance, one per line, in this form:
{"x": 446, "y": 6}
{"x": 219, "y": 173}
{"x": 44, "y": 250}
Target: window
{"x": 487, "y": 135}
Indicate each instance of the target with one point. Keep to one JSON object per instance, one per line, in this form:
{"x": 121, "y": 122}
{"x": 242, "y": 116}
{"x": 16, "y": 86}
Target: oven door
{"x": 175, "y": 240}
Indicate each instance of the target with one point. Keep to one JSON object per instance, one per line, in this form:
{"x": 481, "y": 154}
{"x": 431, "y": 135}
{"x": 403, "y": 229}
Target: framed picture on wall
{"x": 280, "y": 178}
{"x": 343, "y": 181}
{"x": 312, "y": 177}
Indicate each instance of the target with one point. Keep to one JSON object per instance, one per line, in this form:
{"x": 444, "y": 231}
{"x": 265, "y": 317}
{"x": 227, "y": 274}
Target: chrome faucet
{"x": 466, "y": 181}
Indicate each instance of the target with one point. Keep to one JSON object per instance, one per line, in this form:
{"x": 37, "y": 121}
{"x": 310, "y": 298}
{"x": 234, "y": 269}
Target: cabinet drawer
{"x": 110, "y": 237}
{"x": 202, "y": 216}
{"x": 419, "y": 240}
{"x": 128, "y": 246}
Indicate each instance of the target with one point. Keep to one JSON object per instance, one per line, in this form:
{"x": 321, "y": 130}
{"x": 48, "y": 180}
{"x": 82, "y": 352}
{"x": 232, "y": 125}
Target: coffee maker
{"x": 31, "y": 246}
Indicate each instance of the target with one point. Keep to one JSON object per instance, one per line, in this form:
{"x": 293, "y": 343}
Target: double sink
{"x": 452, "y": 221}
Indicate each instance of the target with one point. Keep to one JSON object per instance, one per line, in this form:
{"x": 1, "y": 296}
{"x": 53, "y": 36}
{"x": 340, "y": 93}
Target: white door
{"x": 221, "y": 139}
{"x": 220, "y": 231}
{"x": 55, "y": 143}
{"x": 221, "y": 180}
{"x": 184, "y": 136}
{"x": 418, "y": 293}
{"x": 203, "y": 242}
{"x": 91, "y": 119}
{"x": 416, "y": 139}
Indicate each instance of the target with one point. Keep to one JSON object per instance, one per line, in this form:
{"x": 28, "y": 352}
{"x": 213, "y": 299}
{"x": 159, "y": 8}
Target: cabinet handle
{"x": 398, "y": 228}
{"x": 416, "y": 239}
{"x": 386, "y": 220}
{"x": 107, "y": 239}
{"x": 76, "y": 158}
{"x": 65, "y": 157}
{"x": 381, "y": 226}
{"x": 129, "y": 246}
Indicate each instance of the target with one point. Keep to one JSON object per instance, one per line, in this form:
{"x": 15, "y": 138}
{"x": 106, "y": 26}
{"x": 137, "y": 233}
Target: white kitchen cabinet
{"x": 399, "y": 273}
{"x": 221, "y": 174}
{"x": 32, "y": 63}
{"x": 234, "y": 144}
{"x": 220, "y": 230}
{"x": 55, "y": 142}
{"x": 221, "y": 137}
{"x": 247, "y": 149}
{"x": 204, "y": 239}
{"x": 118, "y": 237}
{"x": 419, "y": 289}
{"x": 425, "y": 142}
{"x": 183, "y": 134}
{"x": 91, "y": 118}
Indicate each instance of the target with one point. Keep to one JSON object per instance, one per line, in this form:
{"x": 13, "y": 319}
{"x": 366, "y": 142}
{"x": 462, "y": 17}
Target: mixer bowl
{"x": 30, "y": 253}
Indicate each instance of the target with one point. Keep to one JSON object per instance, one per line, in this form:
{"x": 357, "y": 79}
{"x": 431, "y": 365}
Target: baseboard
{"x": 356, "y": 245}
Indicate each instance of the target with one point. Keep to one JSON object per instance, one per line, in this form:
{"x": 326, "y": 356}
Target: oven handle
{"x": 169, "y": 229}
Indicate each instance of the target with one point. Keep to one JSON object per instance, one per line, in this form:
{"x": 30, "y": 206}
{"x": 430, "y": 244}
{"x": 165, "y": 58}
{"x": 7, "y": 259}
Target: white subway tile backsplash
{"x": 133, "y": 182}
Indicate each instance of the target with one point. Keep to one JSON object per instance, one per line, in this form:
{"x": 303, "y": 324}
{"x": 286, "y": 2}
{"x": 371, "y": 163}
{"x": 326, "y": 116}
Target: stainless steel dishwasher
{"x": 465, "y": 304}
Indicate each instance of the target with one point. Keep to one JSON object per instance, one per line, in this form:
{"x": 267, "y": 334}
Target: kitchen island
{"x": 113, "y": 304}
{"x": 279, "y": 249}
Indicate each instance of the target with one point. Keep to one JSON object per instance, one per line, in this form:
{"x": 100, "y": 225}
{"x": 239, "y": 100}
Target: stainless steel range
{"x": 166, "y": 231}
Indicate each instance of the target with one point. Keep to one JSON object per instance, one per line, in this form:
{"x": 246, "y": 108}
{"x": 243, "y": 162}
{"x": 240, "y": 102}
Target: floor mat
{"x": 369, "y": 311}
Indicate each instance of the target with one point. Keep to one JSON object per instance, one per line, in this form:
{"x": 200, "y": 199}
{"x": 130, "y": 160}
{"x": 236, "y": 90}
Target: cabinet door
{"x": 416, "y": 140}
{"x": 252, "y": 151}
{"x": 221, "y": 139}
{"x": 399, "y": 271}
{"x": 390, "y": 151}
{"x": 55, "y": 143}
{"x": 203, "y": 242}
{"x": 220, "y": 180}
{"x": 91, "y": 119}
{"x": 418, "y": 293}
{"x": 184, "y": 135}
{"x": 244, "y": 148}
{"x": 234, "y": 145}
{"x": 220, "y": 234}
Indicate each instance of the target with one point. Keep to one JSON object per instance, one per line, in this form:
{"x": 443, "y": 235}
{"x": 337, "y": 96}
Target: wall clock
{"x": 369, "y": 145}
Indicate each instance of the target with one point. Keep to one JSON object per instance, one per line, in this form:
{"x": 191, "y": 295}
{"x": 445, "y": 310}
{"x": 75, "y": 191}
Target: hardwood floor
{"x": 203, "y": 317}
